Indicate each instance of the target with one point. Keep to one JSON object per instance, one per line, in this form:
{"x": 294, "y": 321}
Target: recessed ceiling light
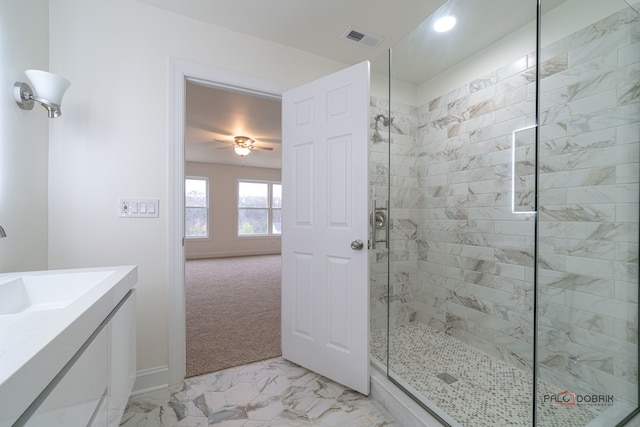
{"x": 445, "y": 24}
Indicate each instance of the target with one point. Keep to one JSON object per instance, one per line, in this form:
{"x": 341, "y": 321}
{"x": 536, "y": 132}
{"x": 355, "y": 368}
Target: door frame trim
{"x": 181, "y": 71}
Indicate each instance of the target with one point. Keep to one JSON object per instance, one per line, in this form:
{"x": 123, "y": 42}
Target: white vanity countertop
{"x": 35, "y": 346}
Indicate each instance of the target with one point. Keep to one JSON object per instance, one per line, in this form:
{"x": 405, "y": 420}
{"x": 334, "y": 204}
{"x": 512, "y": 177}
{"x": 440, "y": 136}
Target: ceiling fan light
{"x": 241, "y": 151}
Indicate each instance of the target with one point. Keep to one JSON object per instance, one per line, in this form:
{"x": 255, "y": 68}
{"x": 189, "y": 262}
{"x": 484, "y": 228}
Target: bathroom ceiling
{"x": 424, "y": 53}
{"x": 314, "y": 27}
{"x": 318, "y": 28}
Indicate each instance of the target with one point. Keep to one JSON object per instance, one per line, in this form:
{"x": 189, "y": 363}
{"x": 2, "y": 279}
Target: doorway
{"x": 232, "y": 227}
{"x": 342, "y": 100}
{"x": 181, "y": 72}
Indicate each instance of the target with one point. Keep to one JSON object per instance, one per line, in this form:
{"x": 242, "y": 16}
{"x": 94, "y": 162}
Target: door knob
{"x": 357, "y": 245}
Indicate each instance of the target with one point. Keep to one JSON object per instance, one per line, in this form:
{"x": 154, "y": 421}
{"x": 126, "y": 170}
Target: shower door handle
{"x": 357, "y": 245}
{"x": 378, "y": 221}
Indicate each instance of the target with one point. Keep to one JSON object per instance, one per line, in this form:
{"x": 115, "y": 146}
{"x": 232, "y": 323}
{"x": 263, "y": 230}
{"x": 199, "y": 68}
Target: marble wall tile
{"x": 625, "y": 330}
{"x": 584, "y": 36}
{"x": 629, "y": 54}
{"x": 628, "y": 213}
{"x": 586, "y": 79}
{"x": 601, "y": 230}
{"x": 401, "y": 123}
{"x": 611, "y": 39}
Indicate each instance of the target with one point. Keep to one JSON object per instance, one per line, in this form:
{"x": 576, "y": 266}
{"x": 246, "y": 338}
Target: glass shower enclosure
{"x": 504, "y": 186}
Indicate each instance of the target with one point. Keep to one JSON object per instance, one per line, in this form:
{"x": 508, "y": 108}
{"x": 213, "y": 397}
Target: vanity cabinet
{"x": 94, "y": 386}
{"x": 80, "y": 390}
{"x": 122, "y": 360}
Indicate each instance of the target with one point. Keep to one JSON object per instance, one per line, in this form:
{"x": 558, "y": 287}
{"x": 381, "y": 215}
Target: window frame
{"x": 270, "y": 209}
{"x": 207, "y": 208}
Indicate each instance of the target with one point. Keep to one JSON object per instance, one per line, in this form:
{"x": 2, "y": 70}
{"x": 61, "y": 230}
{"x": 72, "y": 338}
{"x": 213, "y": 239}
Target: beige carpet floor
{"x": 232, "y": 312}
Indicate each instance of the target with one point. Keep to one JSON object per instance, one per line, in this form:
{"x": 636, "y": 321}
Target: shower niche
{"x": 506, "y": 155}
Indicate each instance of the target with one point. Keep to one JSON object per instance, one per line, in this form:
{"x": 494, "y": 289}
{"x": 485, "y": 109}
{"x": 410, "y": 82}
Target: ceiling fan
{"x": 243, "y": 145}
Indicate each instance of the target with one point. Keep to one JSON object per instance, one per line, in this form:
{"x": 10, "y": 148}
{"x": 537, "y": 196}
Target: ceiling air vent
{"x": 358, "y": 36}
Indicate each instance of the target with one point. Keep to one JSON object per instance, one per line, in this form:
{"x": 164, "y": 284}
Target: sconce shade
{"x": 48, "y": 86}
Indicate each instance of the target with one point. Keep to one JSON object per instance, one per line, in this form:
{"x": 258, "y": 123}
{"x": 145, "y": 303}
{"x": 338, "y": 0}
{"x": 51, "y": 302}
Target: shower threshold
{"x": 487, "y": 392}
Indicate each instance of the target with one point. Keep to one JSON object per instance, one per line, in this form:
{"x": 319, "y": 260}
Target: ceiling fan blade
{"x": 224, "y": 148}
{"x": 208, "y": 128}
{"x": 224, "y": 142}
{"x": 253, "y": 147}
{"x": 271, "y": 140}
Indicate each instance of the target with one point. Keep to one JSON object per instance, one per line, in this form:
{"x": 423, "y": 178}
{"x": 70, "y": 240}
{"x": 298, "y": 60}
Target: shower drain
{"x": 449, "y": 379}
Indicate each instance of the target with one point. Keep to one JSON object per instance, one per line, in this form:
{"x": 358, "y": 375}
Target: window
{"x": 196, "y": 202}
{"x": 259, "y": 208}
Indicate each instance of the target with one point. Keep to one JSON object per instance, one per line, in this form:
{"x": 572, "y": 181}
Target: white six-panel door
{"x": 325, "y": 292}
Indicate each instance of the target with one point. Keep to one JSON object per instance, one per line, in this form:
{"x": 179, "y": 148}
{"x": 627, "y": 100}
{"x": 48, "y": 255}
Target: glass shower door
{"x": 379, "y": 187}
{"x": 587, "y": 264}
{"x": 461, "y": 256}
{"x": 506, "y": 156}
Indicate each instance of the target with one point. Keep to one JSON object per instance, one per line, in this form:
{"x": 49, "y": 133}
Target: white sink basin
{"x": 45, "y": 292}
{"x": 45, "y": 317}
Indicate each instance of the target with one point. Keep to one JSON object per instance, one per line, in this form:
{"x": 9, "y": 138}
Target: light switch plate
{"x": 138, "y": 208}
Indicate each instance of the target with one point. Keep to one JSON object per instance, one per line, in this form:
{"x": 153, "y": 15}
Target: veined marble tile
{"x": 605, "y": 175}
{"x": 287, "y": 396}
{"x": 457, "y": 107}
{"x": 479, "y": 98}
{"x": 603, "y": 306}
{"x": 576, "y": 247}
{"x": 454, "y": 95}
{"x": 627, "y": 252}
{"x": 606, "y": 43}
{"x": 554, "y": 65}
{"x": 629, "y": 54}
{"x": 600, "y": 230}
{"x": 483, "y": 82}
{"x": 516, "y": 110}
{"x": 582, "y": 37}
{"x": 617, "y": 116}
{"x": 626, "y": 330}
{"x": 579, "y": 214}
{"x": 462, "y": 127}
{"x": 588, "y": 77}
{"x": 627, "y": 173}
{"x": 514, "y": 68}
{"x": 628, "y": 213}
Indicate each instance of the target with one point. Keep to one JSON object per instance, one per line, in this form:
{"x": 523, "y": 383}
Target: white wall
{"x": 114, "y": 141}
{"x": 223, "y": 240}
{"x": 24, "y": 28}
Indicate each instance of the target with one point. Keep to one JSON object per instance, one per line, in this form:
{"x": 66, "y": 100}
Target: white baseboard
{"x": 153, "y": 379}
{"x": 228, "y": 254}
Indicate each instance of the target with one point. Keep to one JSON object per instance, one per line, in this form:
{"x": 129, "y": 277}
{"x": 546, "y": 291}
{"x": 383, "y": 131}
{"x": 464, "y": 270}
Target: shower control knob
{"x": 357, "y": 245}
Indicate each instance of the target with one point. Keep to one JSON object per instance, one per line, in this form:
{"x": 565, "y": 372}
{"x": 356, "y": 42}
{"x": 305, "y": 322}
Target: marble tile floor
{"x": 487, "y": 393}
{"x": 274, "y": 392}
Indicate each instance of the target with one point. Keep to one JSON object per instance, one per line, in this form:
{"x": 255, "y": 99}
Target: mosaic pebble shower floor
{"x": 487, "y": 393}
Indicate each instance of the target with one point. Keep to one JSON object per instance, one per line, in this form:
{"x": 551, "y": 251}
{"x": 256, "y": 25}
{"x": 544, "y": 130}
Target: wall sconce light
{"x": 49, "y": 89}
